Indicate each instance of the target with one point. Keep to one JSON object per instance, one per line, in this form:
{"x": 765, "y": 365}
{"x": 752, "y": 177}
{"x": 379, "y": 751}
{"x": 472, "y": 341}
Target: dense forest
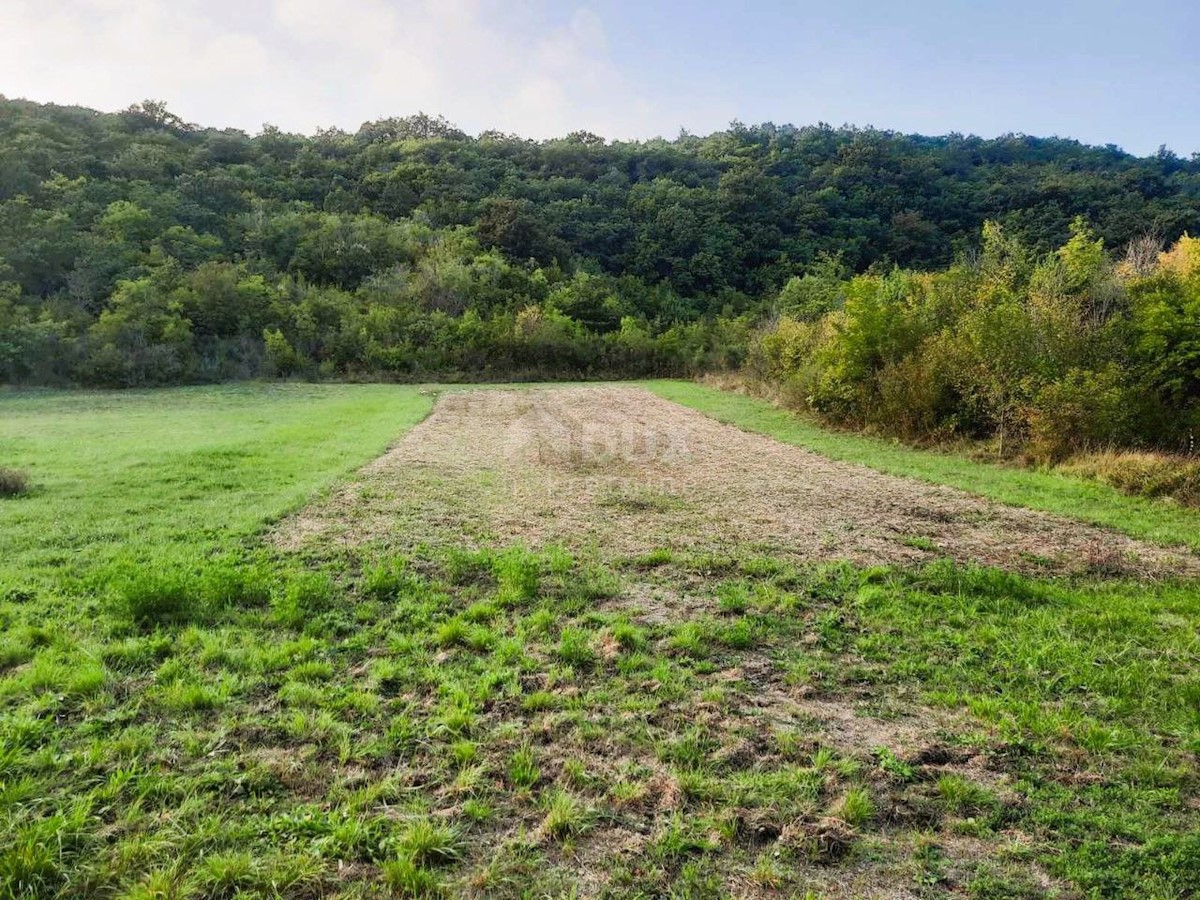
{"x": 138, "y": 249}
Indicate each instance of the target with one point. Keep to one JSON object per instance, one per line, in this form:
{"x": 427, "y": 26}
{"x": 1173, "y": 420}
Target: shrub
{"x": 13, "y": 482}
{"x": 915, "y": 395}
{"x": 1048, "y": 355}
{"x": 1084, "y": 409}
{"x": 281, "y": 358}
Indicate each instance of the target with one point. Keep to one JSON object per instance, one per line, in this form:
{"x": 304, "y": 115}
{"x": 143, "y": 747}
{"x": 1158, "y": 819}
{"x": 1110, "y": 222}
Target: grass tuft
{"x": 427, "y": 843}
{"x": 153, "y": 597}
{"x": 856, "y": 807}
{"x": 406, "y": 879}
{"x": 523, "y": 772}
{"x": 14, "y": 482}
{"x": 575, "y": 649}
{"x": 566, "y": 816}
{"x": 305, "y": 596}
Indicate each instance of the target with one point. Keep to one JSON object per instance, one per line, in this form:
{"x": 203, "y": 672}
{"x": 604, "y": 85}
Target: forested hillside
{"x": 138, "y": 249}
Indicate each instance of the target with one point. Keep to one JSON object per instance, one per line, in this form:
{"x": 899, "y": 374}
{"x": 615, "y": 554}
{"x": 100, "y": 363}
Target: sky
{"x": 1101, "y": 71}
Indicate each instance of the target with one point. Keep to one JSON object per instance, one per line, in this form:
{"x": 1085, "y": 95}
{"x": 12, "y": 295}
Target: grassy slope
{"x": 187, "y": 470}
{"x": 1087, "y": 501}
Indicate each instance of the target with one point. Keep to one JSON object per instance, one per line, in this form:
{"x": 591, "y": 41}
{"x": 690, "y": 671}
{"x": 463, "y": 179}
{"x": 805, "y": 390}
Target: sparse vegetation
{"x": 1141, "y": 474}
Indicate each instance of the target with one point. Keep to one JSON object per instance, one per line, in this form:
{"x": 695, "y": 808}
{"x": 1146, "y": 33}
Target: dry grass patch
{"x": 14, "y": 482}
{"x": 1142, "y": 474}
{"x": 619, "y": 469}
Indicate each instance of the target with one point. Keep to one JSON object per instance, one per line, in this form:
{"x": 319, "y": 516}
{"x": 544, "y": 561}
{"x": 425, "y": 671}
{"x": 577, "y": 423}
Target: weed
{"x": 928, "y": 861}
{"x": 13, "y": 482}
{"x": 893, "y": 765}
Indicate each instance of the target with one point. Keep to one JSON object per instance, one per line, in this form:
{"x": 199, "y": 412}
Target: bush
{"x": 916, "y": 398}
{"x": 13, "y": 482}
{"x": 1049, "y": 356}
{"x": 281, "y": 358}
{"x": 1083, "y": 410}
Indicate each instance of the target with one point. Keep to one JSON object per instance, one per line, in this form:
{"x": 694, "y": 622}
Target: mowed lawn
{"x": 1163, "y": 522}
{"x": 177, "y": 472}
{"x": 187, "y": 710}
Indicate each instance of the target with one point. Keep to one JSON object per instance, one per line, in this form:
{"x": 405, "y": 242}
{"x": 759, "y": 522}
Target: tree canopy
{"x": 136, "y": 248}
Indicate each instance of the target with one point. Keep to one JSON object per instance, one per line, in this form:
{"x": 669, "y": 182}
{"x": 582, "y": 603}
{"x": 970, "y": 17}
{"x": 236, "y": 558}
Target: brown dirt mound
{"x": 623, "y": 471}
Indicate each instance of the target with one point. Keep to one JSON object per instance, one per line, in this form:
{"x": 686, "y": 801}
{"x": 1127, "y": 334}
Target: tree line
{"x": 138, "y": 249}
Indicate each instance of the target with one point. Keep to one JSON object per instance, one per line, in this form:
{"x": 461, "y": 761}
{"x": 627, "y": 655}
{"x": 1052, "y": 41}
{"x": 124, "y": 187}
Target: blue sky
{"x": 1102, "y": 72}
{"x": 1125, "y": 73}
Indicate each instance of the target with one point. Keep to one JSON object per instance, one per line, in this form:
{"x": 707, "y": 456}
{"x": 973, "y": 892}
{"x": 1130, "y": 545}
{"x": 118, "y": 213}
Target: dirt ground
{"x": 621, "y": 471}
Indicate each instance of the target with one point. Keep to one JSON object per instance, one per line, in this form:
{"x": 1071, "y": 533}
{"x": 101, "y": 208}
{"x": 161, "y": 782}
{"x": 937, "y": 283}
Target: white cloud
{"x": 307, "y": 63}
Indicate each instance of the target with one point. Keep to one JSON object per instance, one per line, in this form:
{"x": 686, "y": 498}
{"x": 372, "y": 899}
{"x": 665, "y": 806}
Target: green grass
{"x": 186, "y": 712}
{"x": 1159, "y": 521}
{"x": 178, "y": 472}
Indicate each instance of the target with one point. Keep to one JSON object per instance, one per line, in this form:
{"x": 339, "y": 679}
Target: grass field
{"x": 454, "y": 686}
{"x": 185, "y": 472}
{"x": 1088, "y": 501}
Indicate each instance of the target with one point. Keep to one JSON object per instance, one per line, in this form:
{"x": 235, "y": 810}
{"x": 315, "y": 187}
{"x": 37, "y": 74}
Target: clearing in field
{"x": 564, "y": 642}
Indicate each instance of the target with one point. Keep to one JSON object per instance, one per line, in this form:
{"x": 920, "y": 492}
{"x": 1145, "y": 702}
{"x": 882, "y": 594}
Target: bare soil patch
{"x": 623, "y": 471}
